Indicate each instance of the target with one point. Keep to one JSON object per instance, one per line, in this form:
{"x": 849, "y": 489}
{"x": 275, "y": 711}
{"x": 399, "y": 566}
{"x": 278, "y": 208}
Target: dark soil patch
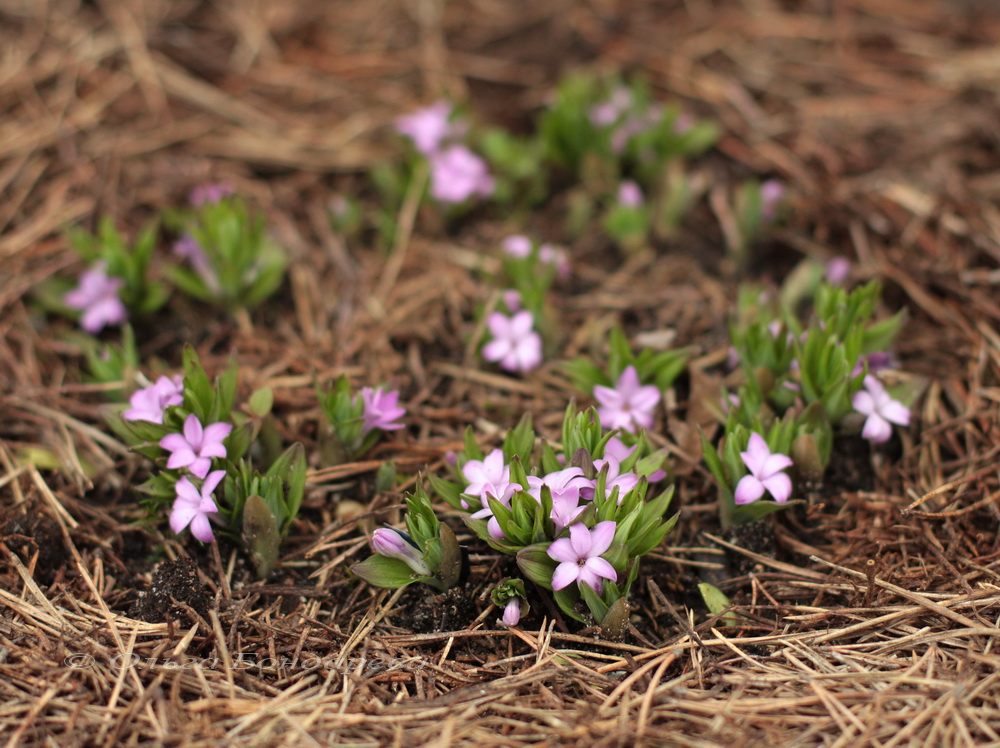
{"x": 30, "y": 534}
{"x": 424, "y": 611}
{"x": 175, "y": 593}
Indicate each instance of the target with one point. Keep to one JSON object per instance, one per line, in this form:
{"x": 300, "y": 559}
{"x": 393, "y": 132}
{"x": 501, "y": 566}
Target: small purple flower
{"x": 616, "y": 449}
{"x": 765, "y": 473}
{"x": 381, "y": 410}
{"x": 877, "y": 361}
{"x": 210, "y": 193}
{"x": 579, "y": 556}
{"x": 195, "y": 507}
{"x": 391, "y": 544}
{"x": 881, "y": 409}
{"x": 515, "y": 345}
{"x": 195, "y": 448}
{"x": 148, "y": 403}
{"x": 512, "y": 299}
{"x": 512, "y": 612}
{"x": 189, "y": 248}
{"x": 557, "y": 257}
{"x": 489, "y": 476}
{"x": 516, "y": 245}
{"x": 565, "y": 487}
{"x": 97, "y": 297}
{"x": 772, "y": 192}
{"x": 838, "y": 270}
{"x": 607, "y": 112}
{"x": 492, "y": 525}
{"x": 629, "y": 194}
{"x": 429, "y": 127}
{"x": 628, "y": 405}
{"x": 625, "y": 482}
{"x": 458, "y": 174}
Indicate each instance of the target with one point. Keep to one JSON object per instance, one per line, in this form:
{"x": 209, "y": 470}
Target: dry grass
{"x": 878, "y": 624}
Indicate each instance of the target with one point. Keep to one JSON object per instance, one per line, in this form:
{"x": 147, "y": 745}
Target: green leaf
{"x": 536, "y": 564}
{"x": 390, "y": 573}
{"x": 261, "y": 401}
{"x": 717, "y": 603}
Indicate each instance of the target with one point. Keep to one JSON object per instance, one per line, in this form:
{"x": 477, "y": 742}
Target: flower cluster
{"x": 187, "y": 427}
{"x": 800, "y": 384}
{"x": 457, "y": 173}
{"x": 578, "y": 520}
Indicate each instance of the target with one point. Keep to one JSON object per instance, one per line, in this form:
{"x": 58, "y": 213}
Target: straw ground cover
{"x": 870, "y": 620}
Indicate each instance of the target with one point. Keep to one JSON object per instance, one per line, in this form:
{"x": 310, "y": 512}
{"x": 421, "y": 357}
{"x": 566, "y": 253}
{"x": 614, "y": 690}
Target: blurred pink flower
{"x": 97, "y": 297}
{"x": 458, "y": 174}
{"x": 881, "y": 409}
{"x": 381, "y": 409}
{"x": 429, "y": 127}
{"x": 515, "y": 345}
{"x": 628, "y": 405}
{"x": 148, "y": 403}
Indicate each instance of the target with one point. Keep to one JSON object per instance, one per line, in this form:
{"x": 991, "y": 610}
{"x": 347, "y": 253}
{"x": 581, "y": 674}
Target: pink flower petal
{"x": 201, "y": 528}
{"x": 748, "y": 490}
{"x": 562, "y": 550}
{"x": 877, "y": 429}
{"x": 564, "y": 575}
{"x": 193, "y": 431}
{"x": 780, "y": 486}
{"x": 181, "y": 458}
{"x": 181, "y": 515}
{"x": 601, "y": 537}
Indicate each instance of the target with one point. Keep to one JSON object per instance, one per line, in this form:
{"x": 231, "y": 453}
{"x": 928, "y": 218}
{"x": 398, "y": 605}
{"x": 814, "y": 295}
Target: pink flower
{"x": 838, "y": 270}
{"x": 617, "y": 450}
{"x": 189, "y": 248}
{"x": 579, "y": 556}
{"x": 489, "y": 476}
{"x": 389, "y": 543}
{"x": 772, "y": 193}
{"x": 493, "y": 526}
{"x": 195, "y": 448}
{"x": 148, "y": 403}
{"x": 381, "y": 409}
{"x": 516, "y": 245}
{"x": 765, "y": 473}
{"x": 629, "y": 405}
{"x": 565, "y": 487}
{"x": 607, "y": 112}
{"x": 629, "y": 194}
{"x": 429, "y": 127}
{"x": 625, "y": 482}
{"x": 512, "y": 612}
{"x": 881, "y": 409}
{"x": 515, "y": 345}
{"x": 97, "y": 297}
{"x": 210, "y": 192}
{"x": 557, "y": 257}
{"x": 194, "y": 506}
{"x": 458, "y": 174}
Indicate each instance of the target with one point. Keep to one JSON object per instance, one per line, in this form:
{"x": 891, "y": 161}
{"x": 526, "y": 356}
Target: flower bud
{"x": 807, "y": 459}
{"x": 391, "y": 544}
{"x": 512, "y": 612}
